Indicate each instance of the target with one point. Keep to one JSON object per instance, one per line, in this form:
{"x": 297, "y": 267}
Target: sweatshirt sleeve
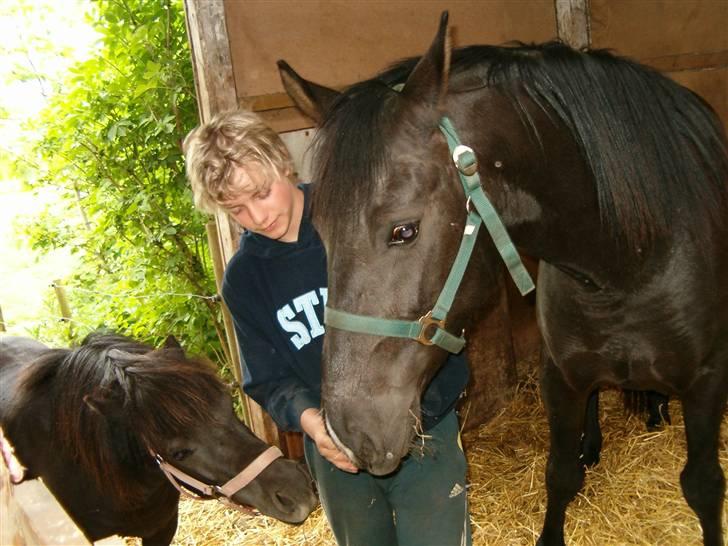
{"x": 267, "y": 376}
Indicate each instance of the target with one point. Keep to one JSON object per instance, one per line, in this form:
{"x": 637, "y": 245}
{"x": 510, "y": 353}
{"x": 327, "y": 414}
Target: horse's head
{"x": 178, "y": 409}
{"x": 391, "y": 213}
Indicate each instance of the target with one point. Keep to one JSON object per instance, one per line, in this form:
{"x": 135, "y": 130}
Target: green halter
{"x": 422, "y": 330}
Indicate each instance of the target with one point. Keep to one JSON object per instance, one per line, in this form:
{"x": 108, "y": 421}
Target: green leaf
{"x": 109, "y": 142}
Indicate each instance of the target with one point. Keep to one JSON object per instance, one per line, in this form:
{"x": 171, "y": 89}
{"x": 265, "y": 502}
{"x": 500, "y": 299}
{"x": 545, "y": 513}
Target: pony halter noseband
{"x": 182, "y": 481}
{"x": 480, "y": 211}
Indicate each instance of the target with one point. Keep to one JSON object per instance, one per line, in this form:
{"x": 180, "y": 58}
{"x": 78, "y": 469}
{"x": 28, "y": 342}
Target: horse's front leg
{"x": 702, "y": 479}
{"x": 565, "y": 409}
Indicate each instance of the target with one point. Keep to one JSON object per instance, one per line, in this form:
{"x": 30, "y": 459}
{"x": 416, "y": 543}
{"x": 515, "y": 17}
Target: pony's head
{"x": 120, "y": 401}
{"x": 391, "y": 213}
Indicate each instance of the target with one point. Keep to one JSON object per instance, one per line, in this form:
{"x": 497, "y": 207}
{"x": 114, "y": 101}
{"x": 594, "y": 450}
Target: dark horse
{"x": 93, "y": 422}
{"x": 609, "y": 173}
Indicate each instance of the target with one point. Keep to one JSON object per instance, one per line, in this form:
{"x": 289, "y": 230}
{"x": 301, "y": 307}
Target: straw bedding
{"x": 632, "y": 497}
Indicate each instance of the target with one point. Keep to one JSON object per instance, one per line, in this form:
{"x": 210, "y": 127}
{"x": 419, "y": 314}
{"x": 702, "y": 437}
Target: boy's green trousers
{"x": 424, "y": 503}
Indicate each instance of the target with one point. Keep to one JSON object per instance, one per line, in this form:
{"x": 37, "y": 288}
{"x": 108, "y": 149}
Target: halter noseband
{"x": 430, "y": 328}
{"x": 181, "y": 480}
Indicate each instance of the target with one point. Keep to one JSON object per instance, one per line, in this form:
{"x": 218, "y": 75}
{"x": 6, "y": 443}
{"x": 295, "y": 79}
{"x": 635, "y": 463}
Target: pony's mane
{"x": 115, "y": 398}
{"x": 656, "y": 150}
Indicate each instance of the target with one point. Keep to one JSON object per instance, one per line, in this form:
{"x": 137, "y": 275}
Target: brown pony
{"x": 93, "y": 422}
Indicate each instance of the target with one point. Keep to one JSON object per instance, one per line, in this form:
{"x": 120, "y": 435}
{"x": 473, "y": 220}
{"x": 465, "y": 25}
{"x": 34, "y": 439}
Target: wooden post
{"x": 215, "y": 86}
{"x": 573, "y": 22}
{"x": 63, "y": 304}
{"x": 229, "y": 345}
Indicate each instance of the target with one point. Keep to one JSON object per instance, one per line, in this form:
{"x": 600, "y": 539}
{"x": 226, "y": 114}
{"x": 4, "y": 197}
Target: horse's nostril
{"x": 285, "y": 502}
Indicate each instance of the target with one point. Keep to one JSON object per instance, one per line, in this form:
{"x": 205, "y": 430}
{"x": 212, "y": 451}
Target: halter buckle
{"x": 464, "y": 158}
{"x": 425, "y": 322}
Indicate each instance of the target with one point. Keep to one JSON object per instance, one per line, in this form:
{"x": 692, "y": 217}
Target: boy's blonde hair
{"x": 229, "y": 140}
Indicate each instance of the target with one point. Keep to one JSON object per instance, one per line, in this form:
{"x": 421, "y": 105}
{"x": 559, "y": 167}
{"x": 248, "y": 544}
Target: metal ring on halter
{"x": 426, "y": 321}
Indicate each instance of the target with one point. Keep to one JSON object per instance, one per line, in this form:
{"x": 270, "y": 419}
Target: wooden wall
{"x": 339, "y": 42}
{"x": 685, "y": 39}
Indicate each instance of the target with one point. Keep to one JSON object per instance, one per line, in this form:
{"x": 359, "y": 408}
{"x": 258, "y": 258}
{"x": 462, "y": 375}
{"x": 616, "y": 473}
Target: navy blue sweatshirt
{"x": 276, "y": 293}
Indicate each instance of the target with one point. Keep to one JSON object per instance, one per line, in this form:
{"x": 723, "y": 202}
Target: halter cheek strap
{"x": 181, "y": 480}
{"x": 467, "y": 165}
{"x": 430, "y": 328}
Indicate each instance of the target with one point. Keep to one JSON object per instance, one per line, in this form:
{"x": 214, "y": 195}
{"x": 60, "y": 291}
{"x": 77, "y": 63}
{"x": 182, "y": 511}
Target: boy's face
{"x": 267, "y": 203}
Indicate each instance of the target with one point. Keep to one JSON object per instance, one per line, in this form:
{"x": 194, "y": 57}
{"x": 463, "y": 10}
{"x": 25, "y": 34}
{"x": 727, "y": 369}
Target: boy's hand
{"x": 313, "y": 424}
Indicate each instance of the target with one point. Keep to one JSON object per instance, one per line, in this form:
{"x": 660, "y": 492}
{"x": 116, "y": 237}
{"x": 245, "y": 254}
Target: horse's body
{"x": 86, "y": 421}
{"x": 612, "y": 175}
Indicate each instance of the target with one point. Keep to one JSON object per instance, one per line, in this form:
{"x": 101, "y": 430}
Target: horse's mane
{"x": 114, "y": 399}
{"x": 656, "y": 150}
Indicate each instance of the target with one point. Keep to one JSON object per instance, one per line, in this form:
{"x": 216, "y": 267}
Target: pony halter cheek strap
{"x": 223, "y": 493}
{"x": 430, "y": 328}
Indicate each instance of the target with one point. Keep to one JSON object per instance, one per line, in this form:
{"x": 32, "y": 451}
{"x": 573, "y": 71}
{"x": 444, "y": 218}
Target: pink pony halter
{"x": 182, "y": 481}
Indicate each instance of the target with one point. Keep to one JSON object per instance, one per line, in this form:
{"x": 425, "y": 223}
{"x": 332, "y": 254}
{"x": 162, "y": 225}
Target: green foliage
{"x": 110, "y": 146}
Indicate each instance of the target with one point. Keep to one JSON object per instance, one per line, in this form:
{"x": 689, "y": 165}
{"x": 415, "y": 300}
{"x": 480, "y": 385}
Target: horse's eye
{"x": 181, "y": 454}
{"x": 404, "y": 233}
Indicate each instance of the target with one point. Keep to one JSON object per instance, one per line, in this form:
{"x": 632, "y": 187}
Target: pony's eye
{"x": 181, "y": 454}
{"x": 404, "y": 233}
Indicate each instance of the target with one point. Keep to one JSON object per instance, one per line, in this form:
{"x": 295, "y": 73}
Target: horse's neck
{"x": 543, "y": 192}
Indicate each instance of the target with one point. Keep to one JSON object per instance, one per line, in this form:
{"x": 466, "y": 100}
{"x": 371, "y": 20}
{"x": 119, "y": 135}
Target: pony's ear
{"x": 173, "y": 348}
{"x": 312, "y": 99}
{"x": 427, "y": 84}
{"x": 171, "y": 342}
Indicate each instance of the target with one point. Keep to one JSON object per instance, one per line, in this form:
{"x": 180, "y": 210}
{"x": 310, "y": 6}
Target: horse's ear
{"x": 312, "y": 99}
{"x": 427, "y": 84}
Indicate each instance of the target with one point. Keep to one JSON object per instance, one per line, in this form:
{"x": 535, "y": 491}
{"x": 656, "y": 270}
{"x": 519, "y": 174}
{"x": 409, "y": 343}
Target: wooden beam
{"x": 211, "y": 60}
{"x": 712, "y": 60}
{"x": 215, "y": 86}
{"x": 214, "y": 81}
{"x": 573, "y": 22}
